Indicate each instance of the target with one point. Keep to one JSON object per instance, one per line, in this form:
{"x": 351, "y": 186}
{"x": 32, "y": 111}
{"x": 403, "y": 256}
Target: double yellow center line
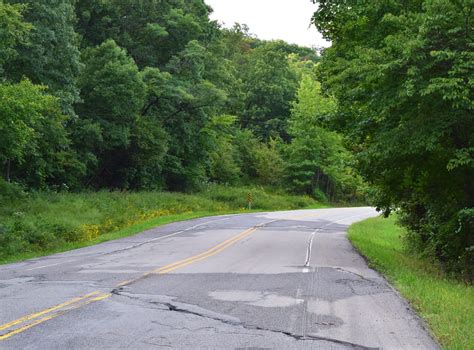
{"x": 207, "y": 254}
{"x": 26, "y": 322}
{"x": 22, "y": 324}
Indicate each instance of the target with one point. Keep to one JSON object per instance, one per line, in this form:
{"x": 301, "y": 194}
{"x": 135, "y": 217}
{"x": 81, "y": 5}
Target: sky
{"x": 271, "y": 19}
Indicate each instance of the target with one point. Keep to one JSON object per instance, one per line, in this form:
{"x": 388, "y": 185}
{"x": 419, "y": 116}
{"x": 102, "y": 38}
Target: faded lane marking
{"x": 35, "y": 315}
{"x": 78, "y": 302}
{"x": 227, "y": 217}
{"x": 44, "y": 266}
{"x": 204, "y": 255}
{"x": 49, "y": 314}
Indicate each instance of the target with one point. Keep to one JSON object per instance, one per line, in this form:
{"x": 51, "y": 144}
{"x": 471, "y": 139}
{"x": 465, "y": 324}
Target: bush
{"x": 449, "y": 241}
{"x": 269, "y": 163}
{"x": 10, "y": 191}
{"x": 319, "y": 195}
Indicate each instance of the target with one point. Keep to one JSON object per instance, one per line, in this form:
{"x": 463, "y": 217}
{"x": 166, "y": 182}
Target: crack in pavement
{"x": 136, "y": 245}
{"x": 298, "y": 337}
{"x": 174, "y": 307}
{"x": 182, "y": 327}
{"x": 352, "y": 273}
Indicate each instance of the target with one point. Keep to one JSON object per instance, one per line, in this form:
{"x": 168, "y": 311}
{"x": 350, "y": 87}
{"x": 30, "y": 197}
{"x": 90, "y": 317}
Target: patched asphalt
{"x": 253, "y": 281}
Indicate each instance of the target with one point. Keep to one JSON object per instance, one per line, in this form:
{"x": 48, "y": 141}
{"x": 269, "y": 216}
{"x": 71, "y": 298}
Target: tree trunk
{"x": 317, "y": 179}
{"x": 9, "y": 162}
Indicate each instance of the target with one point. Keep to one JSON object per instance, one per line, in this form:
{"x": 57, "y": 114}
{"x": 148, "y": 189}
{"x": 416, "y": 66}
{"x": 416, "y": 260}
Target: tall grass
{"x": 40, "y": 223}
{"x": 446, "y": 304}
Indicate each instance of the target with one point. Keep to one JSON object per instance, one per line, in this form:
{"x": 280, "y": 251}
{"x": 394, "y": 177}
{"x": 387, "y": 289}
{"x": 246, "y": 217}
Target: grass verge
{"x": 447, "y": 305}
{"x": 38, "y": 224}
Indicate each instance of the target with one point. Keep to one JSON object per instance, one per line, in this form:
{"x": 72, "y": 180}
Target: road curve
{"x": 285, "y": 280}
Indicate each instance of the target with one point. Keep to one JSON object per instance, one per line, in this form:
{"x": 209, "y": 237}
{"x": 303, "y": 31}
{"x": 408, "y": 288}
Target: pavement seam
{"x": 87, "y": 299}
{"x": 58, "y": 309}
{"x": 166, "y": 236}
{"x": 175, "y": 308}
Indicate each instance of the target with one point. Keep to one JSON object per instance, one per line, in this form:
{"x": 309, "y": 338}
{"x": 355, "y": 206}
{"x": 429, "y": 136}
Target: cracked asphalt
{"x": 285, "y": 280}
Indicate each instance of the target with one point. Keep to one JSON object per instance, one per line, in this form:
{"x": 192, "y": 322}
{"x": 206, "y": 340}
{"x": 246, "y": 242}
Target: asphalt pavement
{"x": 284, "y": 280}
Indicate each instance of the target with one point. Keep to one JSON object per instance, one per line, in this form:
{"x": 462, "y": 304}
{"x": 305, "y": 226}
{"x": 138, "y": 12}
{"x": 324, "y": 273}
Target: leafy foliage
{"x": 34, "y": 144}
{"x": 402, "y": 75}
{"x": 154, "y": 95}
{"x": 52, "y": 56}
{"x": 270, "y": 86}
{"x": 13, "y": 31}
{"x": 152, "y": 31}
{"x": 317, "y": 162}
{"x": 224, "y": 167}
{"x": 113, "y": 94}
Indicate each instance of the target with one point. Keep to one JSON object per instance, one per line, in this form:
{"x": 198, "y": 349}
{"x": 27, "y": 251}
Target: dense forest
{"x": 154, "y": 95}
{"x": 402, "y": 73}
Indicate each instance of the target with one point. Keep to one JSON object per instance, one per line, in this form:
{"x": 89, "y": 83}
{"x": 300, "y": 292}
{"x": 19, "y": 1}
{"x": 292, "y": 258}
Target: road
{"x": 285, "y": 280}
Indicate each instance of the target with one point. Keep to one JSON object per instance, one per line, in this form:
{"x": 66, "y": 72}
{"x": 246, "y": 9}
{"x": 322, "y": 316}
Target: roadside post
{"x": 249, "y": 200}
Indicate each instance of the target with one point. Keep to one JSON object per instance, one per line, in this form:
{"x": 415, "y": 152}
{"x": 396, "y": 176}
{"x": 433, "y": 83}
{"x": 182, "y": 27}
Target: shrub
{"x": 10, "y": 191}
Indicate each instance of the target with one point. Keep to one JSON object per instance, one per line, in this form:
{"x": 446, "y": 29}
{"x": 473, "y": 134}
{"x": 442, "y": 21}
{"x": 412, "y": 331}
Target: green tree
{"x": 260, "y": 161}
{"x": 186, "y": 111}
{"x": 269, "y": 164}
{"x": 223, "y": 167}
{"x": 15, "y": 123}
{"x": 113, "y": 95}
{"x": 34, "y": 144}
{"x": 317, "y": 162}
{"x": 270, "y": 87}
{"x": 402, "y": 74}
{"x": 13, "y": 31}
{"x": 152, "y": 31}
{"x": 52, "y": 56}
{"x": 246, "y": 144}
{"x": 149, "y": 144}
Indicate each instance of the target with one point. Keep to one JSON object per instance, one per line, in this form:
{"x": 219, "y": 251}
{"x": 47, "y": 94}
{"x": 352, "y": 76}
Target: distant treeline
{"x": 152, "y": 94}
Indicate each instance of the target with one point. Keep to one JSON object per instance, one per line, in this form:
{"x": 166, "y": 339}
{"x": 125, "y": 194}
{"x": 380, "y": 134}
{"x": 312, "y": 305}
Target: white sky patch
{"x": 289, "y": 20}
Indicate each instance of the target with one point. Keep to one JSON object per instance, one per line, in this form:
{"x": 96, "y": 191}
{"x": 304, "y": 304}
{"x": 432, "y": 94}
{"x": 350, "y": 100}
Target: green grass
{"x": 45, "y": 223}
{"x": 446, "y": 304}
